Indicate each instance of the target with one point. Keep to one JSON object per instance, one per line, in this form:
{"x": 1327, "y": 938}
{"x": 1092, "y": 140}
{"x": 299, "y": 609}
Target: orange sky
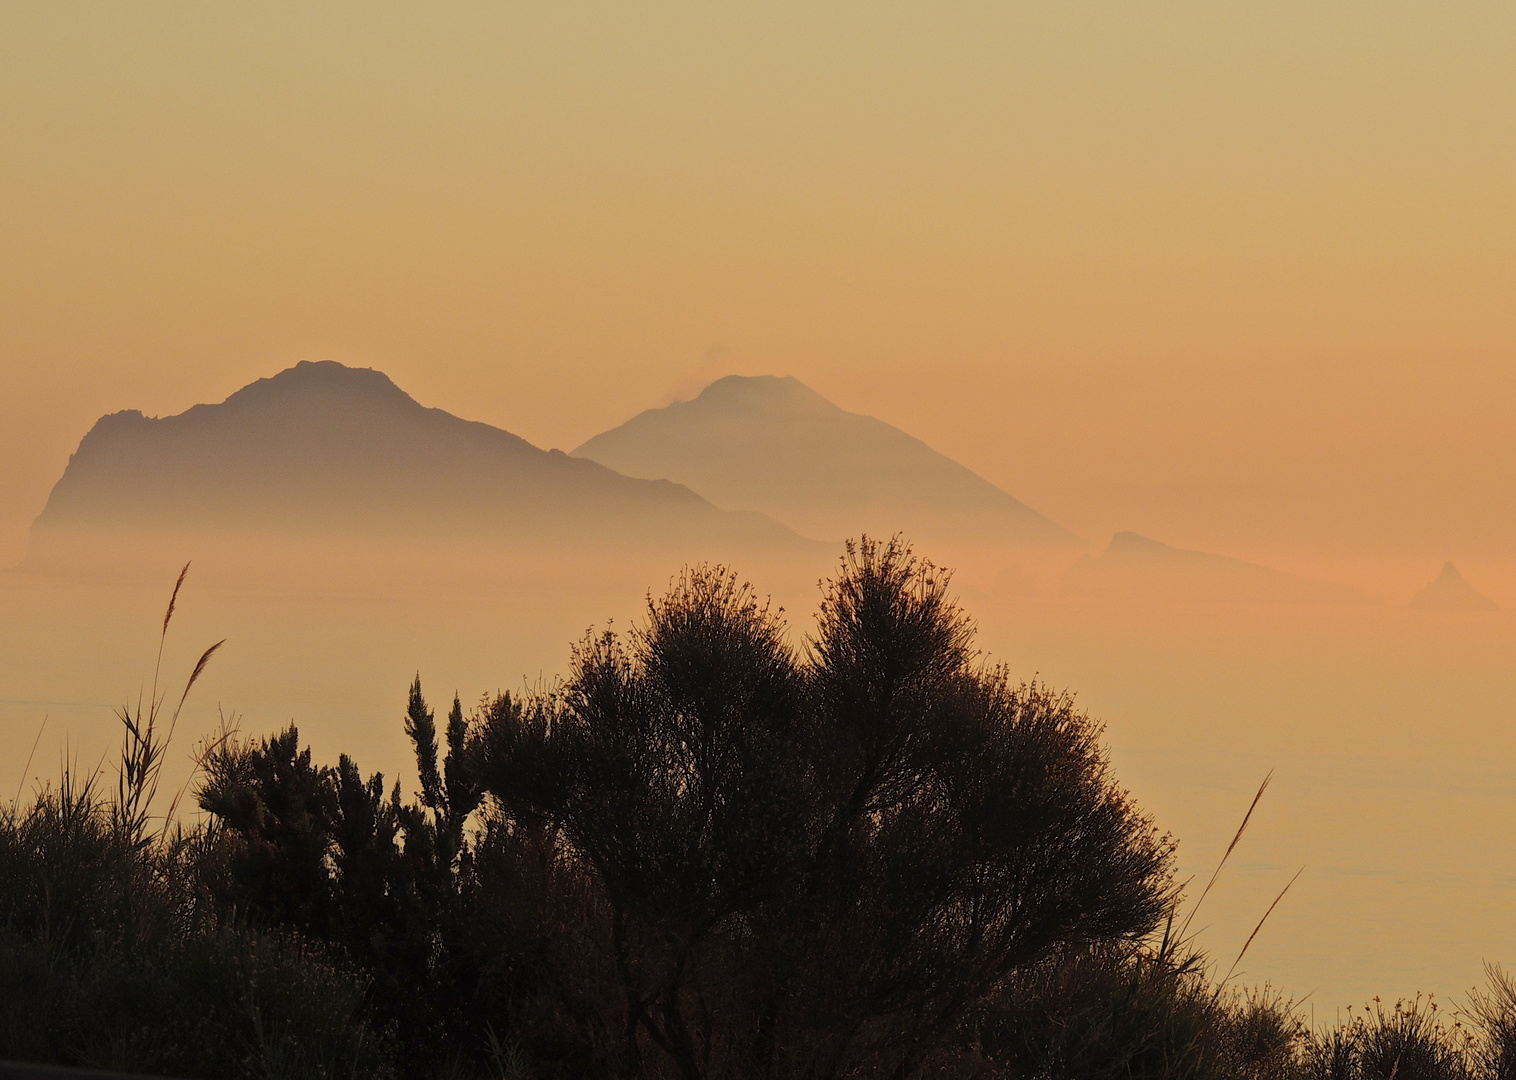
{"x": 1240, "y": 276}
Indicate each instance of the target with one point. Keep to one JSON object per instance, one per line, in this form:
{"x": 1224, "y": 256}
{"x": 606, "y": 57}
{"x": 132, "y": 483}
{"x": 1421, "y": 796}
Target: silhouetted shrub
{"x": 113, "y": 952}
{"x": 109, "y": 958}
{"x": 815, "y": 865}
{"x": 221, "y": 1004}
{"x": 1493, "y": 1013}
{"x": 1409, "y": 1041}
{"x": 1106, "y": 1011}
{"x": 323, "y": 852}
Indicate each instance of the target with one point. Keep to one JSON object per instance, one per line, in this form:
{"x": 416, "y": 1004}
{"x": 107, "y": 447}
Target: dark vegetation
{"x": 705, "y": 853}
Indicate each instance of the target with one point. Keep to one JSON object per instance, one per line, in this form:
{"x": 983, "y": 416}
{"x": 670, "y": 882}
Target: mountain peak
{"x": 1451, "y": 591}
{"x": 772, "y": 444}
{"x": 326, "y": 379}
{"x": 760, "y": 392}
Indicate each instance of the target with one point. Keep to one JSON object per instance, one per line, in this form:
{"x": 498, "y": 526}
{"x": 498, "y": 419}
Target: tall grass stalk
{"x": 142, "y": 749}
{"x": 1236, "y": 839}
{"x": 20, "y": 784}
{"x": 1243, "y": 951}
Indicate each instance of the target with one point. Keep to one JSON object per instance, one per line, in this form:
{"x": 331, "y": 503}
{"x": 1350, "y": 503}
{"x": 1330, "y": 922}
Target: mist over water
{"x": 1389, "y": 734}
{"x": 1389, "y": 730}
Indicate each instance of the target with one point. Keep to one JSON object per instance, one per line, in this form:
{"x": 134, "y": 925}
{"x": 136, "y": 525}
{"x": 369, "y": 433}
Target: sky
{"x": 1239, "y": 276}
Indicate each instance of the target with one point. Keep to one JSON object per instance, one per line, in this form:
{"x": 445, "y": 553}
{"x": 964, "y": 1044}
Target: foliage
{"x": 109, "y": 958}
{"x": 1117, "y": 1012}
{"x": 816, "y": 865}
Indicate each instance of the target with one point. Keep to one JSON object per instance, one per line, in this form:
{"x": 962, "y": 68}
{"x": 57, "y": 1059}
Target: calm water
{"x": 1391, "y": 734}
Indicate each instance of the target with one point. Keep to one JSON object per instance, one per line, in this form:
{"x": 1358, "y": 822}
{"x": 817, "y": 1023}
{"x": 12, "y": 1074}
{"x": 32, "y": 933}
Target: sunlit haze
{"x": 1234, "y": 281}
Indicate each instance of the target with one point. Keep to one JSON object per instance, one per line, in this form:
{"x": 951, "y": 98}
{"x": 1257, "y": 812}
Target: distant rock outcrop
{"x": 327, "y": 449}
{"x": 1137, "y": 568}
{"x": 772, "y": 444}
{"x": 1450, "y": 591}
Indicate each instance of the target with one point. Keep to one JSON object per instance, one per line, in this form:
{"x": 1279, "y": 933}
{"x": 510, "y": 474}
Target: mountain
{"x": 1452, "y": 592}
{"x": 1137, "y": 568}
{"x": 774, "y": 445}
{"x": 326, "y": 449}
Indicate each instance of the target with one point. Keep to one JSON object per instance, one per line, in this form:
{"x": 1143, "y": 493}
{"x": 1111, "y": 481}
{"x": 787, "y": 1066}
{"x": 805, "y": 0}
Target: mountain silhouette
{"x": 771, "y": 444}
{"x": 1450, "y": 591}
{"x": 325, "y": 448}
{"x": 1135, "y": 567}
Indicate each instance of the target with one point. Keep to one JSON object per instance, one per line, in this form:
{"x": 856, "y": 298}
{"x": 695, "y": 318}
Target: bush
{"x": 230, "y": 1004}
{"x": 817, "y": 864}
{"x": 1105, "y": 1012}
{"x": 1409, "y": 1041}
{"x": 108, "y": 960}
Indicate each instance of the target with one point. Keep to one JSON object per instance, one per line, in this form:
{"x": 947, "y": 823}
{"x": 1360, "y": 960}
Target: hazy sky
{"x": 1238, "y": 275}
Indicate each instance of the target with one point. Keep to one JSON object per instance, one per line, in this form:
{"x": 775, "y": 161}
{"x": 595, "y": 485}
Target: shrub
{"x": 816, "y": 864}
{"x": 1409, "y": 1041}
{"x": 107, "y": 960}
{"x": 1104, "y": 1012}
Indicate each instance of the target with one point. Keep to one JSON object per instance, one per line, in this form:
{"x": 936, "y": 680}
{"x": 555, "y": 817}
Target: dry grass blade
{"x": 142, "y": 751}
{"x": 27, "y": 767}
{"x": 199, "y": 667}
{"x": 1229, "y": 849}
{"x": 1259, "y": 927}
{"x": 174, "y": 597}
{"x": 163, "y": 634}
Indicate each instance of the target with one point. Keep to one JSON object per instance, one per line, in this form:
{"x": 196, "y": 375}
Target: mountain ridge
{"x": 772, "y": 444}
{"x": 322, "y": 446}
